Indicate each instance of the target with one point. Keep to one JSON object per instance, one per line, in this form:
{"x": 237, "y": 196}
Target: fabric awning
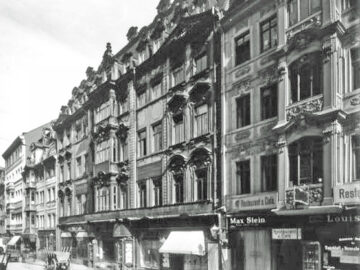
{"x": 14, "y": 240}
{"x": 65, "y": 235}
{"x": 82, "y": 235}
{"x": 120, "y": 230}
{"x": 184, "y": 242}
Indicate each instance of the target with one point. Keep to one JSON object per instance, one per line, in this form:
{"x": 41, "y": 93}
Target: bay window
{"x": 306, "y": 77}
{"x": 102, "y": 152}
{"x": 102, "y": 112}
{"x": 142, "y": 194}
{"x": 306, "y": 161}
{"x": 124, "y": 196}
{"x": 355, "y": 66}
{"x": 301, "y": 9}
{"x": 201, "y": 120}
{"x": 157, "y": 137}
{"x": 157, "y": 191}
{"x": 123, "y": 144}
{"x": 102, "y": 196}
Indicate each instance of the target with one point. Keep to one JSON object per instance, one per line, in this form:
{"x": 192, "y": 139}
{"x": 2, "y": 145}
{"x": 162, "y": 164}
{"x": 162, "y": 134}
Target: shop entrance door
{"x": 176, "y": 262}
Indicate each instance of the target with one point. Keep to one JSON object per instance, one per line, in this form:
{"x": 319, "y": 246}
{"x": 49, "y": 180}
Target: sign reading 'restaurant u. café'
{"x": 347, "y": 193}
{"x": 253, "y": 202}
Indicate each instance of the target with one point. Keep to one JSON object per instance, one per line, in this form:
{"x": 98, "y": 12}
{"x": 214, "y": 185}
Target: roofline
{"x": 18, "y": 140}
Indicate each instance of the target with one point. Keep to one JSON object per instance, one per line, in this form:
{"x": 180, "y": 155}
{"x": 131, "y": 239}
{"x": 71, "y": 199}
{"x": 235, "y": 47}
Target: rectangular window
{"x": 157, "y": 137}
{"x": 178, "y": 128}
{"x": 78, "y": 167}
{"x": 243, "y": 111}
{"x": 179, "y": 188}
{"x": 242, "y": 48}
{"x": 124, "y": 150}
{"x": 157, "y": 191}
{"x": 102, "y": 152}
{"x": 102, "y": 112}
{"x": 355, "y": 66}
{"x": 243, "y": 177}
{"x": 301, "y": 9}
{"x": 269, "y": 173}
{"x": 115, "y": 197}
{"x": 142, "y": 143}
{"x": 62, "y": 173}
{"x": 268, "y": 32}
{"x": 356, "y": 157}
{"x": 141, "y": 99}
{"x": 178, "y": 76}
{"x": 156, "y": 91}
{"x": 68, "y": 170}
{"x": 201, "y": 184}
{"x": 78, "y": 205}
{"x": 201, "y": 63}
{"x": 124, "y": 197}
{"x": 201, "y": 120}
{"x": 124, "y": 106}
{"x": 142, "y": 194}
{"x": 268, "y": 102}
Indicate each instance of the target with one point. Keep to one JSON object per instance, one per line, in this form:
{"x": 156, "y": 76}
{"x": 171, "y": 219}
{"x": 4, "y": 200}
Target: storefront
{"x": 176, "y": 244}
{"x": 314, "y": 242}
{"x": 45, "y": 239}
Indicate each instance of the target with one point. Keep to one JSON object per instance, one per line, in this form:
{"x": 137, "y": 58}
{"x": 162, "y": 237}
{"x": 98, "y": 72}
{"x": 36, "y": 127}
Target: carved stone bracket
{"x": 355, "y": 101}
{"x": 102, "y": 179}
{"x": 122, "y": 131}
{"x": 123, "y": 175}
{"x": 333, "y": 128}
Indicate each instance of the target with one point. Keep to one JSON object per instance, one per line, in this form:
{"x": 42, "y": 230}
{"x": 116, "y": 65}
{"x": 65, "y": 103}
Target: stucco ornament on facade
{"x": 314, "y": 105}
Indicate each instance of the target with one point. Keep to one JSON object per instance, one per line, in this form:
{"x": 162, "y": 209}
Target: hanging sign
{"x": 347, "y": 194}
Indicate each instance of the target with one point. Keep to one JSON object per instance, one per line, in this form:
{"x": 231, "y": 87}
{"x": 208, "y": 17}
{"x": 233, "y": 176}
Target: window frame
{"x": 157, "y": 143}
{"x": 269, "y": 175}
{"x": 272, "y": 111}
{"x": 243, "y": 110}
{"x": 142, "y": 143}
{"x": 243, "y": 170}
{"x": 268, "y": 22}
{"x": 243, "y": 50}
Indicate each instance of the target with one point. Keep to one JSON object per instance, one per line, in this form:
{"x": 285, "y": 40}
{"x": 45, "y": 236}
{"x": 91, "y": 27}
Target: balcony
{"x": 300, "y": 197}
{"x": 310, "y": 105}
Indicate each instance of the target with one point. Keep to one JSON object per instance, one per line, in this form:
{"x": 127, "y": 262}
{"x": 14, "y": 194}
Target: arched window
{"x": 306, "y": 77}
{"x": 306, "y": 161}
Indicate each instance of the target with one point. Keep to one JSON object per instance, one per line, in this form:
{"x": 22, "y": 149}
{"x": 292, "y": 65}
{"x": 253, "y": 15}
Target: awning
{"x": 120, "y": 230}
{"x": 184, "y": 242}
{"x": 14, "y": 240}
{"x": 82, "y": 235}
{"x": 312, "y": 210}
{"x": 65, "y": 235}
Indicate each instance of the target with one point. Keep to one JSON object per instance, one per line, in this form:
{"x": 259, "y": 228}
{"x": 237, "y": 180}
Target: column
{"x": 283, "y": 91}
{"x": 282, "y": 170}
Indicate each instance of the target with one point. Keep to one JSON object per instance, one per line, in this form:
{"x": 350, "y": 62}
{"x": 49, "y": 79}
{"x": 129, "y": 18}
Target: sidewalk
{"x": 73, "y": 266}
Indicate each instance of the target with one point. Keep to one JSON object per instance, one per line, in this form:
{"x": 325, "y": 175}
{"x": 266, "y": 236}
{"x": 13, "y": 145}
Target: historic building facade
{"x": 138, "y": 160}
{"x": 15, "y": 160}
{"x": 291, "y": 134}
{"x": 40, "y": 193}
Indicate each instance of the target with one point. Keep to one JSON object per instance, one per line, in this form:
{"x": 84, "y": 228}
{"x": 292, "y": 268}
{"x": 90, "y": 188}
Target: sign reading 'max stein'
{"x": 347, "y": 193}
{"x": 258, "y": 201}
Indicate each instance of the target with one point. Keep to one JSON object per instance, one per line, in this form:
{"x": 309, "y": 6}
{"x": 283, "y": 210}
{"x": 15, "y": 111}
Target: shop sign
{"x": 287, "y": 234}
{"x": 347, "y": 194}
{"x": 247, "y": 221}
{"x": 260, "y": 201}
{"x": 128, "y": 253}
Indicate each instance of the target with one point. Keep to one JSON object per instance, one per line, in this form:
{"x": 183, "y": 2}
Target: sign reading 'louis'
{"x": 347, "y": 194}
{"x": 258, "y": 201}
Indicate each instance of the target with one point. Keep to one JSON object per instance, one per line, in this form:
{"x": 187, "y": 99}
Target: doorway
{"x": 176, "y": 262}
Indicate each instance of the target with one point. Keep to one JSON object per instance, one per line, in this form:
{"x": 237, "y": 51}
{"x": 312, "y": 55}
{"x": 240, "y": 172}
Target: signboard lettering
{"x": 347, "y": 194}
{"x": 247, "y": 221}
{"x": 261, "y": 201}
{"x": 286, "y": 234}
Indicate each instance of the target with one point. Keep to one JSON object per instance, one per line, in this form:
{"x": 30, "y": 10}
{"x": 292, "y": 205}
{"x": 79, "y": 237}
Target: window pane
{"x": 242, "y": 50}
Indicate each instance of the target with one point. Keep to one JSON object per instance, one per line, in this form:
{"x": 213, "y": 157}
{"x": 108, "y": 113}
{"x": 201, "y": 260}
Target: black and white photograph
{"x": 180, "y": 135}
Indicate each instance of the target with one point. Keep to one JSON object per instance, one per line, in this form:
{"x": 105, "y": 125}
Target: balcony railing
{"x": 303, "y": 196}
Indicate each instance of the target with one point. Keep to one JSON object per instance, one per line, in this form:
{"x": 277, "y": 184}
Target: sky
{"x": 45, "y": 48}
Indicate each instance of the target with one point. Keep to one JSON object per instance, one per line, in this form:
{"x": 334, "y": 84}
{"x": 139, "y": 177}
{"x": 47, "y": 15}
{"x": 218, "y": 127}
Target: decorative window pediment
{"x": 199, "y": 92}
{"x": 177, "y": 102}
{"x": 200, "y": 158}
{"x": 176, "y": 164}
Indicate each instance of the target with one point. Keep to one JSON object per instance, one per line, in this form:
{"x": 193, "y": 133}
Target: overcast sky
{"x": 45, "y": 48}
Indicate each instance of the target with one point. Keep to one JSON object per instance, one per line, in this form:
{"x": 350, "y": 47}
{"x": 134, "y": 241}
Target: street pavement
{"x": 27, "y": 266}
